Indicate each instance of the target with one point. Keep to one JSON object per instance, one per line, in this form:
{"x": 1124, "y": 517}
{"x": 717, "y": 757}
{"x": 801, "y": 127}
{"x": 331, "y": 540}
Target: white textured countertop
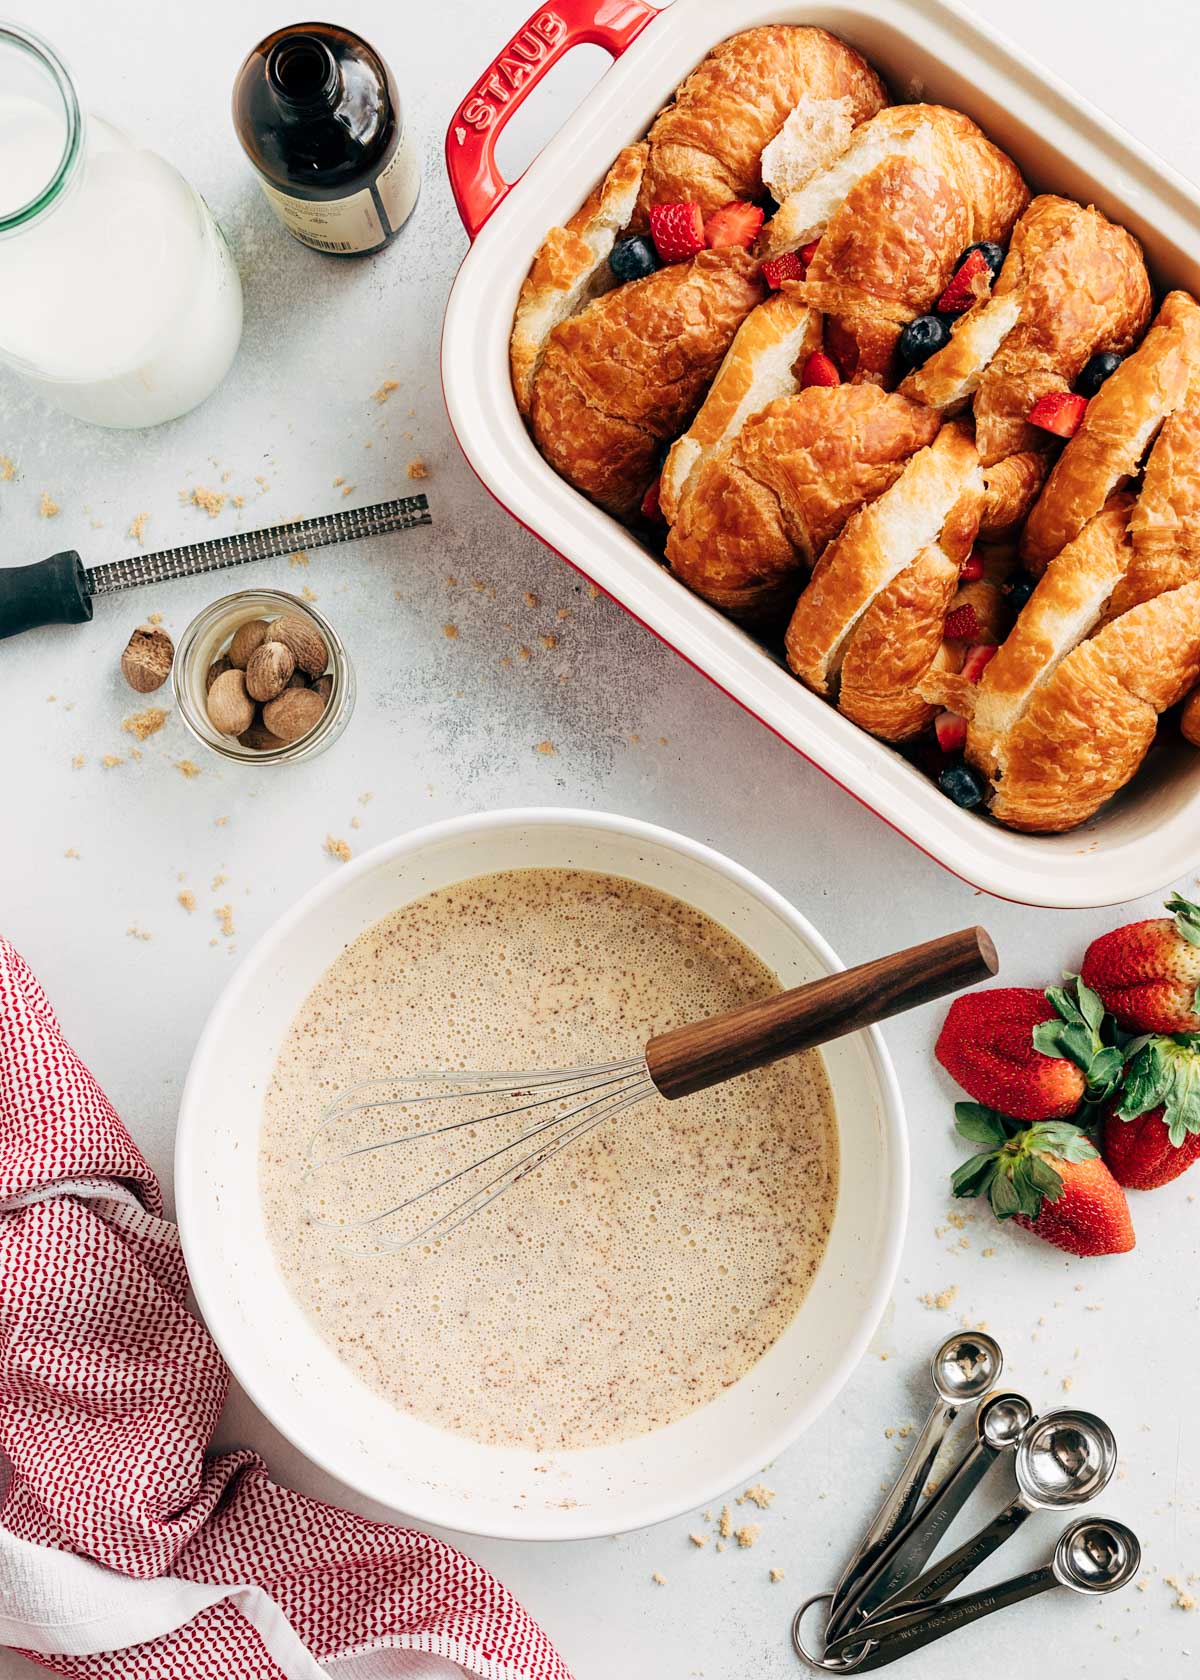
{"x": 447, "y": 724}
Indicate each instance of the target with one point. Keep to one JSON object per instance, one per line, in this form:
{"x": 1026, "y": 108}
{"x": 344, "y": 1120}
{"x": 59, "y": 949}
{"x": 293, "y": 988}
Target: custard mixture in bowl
{"x": 629, "y": 1280}
{"x": 644, "y": 1321}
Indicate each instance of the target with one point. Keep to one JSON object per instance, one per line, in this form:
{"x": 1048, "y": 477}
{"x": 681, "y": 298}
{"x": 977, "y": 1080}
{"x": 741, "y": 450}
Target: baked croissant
{"x": 1089, "y": 725}
{"x": 1165, "y": 523}
{"x": 626, "y": 375}
{"x": 1072, "y": 284}
{"x": 759, "y": 512}
{"x": 939, "y": 488}
{"x": 707, "y": 145}
{"x": 915, "y": 186}
{"x": 571, "y": 268}
{"x": 1121, "y": 421}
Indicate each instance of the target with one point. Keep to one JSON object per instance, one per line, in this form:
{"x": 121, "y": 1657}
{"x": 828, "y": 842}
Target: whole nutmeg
{"x": 298, "y": 680}
{"x": 230, "y": 708}
{"x": 146, "y": 662}
{"x": 293, "y": 713}
{"x": 324, "y": 687}
{"x": 307, "y": 645}
{"x": 269, "y": 670}
{"x": 259, "y": 737}
{"x": 214, "y": 671}
{"x": 246, "y": 638}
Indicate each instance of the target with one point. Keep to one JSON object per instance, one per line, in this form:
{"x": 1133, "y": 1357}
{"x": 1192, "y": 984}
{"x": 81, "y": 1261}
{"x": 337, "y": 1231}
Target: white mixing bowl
{"x": 317, "y": 1401}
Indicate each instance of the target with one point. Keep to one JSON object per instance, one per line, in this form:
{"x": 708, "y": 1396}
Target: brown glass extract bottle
{"x": 318, "y": 115}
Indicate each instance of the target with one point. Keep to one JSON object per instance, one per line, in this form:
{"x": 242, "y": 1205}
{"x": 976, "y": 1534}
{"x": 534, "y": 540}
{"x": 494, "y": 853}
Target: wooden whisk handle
{"x": 692, "y": 1058}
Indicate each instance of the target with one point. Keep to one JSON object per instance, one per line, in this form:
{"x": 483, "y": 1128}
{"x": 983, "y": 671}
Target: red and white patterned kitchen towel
{"x": 125, "y": 1551}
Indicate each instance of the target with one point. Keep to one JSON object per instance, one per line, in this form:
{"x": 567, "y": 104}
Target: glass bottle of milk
{"x": 119, "y": 299}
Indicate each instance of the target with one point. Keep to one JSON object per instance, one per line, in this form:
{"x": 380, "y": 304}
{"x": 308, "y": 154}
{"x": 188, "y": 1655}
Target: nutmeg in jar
{"x": 318, "y": 115}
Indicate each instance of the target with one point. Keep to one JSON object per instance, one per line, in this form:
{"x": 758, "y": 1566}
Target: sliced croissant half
{"x": 875, "y": 547}
{"x": 1088, "y": 727}
{"x": 770, "y": 346}
{"x": 761, "y": 510}
{"x": 571, "y": 268}
{"x": 1121, "y": 422}
{"x": 1165, "y": 523}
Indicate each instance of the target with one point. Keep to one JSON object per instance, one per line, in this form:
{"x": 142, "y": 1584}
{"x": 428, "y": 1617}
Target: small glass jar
{"x": 119, "y": 299}
{"x": 204, "y": 640}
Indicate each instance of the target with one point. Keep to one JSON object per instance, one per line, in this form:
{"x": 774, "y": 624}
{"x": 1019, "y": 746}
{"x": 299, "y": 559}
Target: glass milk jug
{"x": 119, "y": 299}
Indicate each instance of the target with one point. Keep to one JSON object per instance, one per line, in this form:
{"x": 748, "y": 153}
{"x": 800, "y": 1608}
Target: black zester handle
{"x": 53, "y": 591}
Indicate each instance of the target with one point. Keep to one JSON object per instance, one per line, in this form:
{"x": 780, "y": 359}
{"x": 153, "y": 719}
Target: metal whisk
{"x": 522, "y": 1120}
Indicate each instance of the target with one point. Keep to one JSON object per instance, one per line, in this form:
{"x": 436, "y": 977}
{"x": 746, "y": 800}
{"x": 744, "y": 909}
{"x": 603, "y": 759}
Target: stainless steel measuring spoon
{"x": 1093, "y": 1555}
{"x": 964, "y": 1368}
{"x": 1001, "y": 1421}
{"x": 1064, "y": 1459}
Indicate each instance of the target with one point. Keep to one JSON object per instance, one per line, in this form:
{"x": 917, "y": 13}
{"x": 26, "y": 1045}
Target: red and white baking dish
{"x": 926, "y": 48}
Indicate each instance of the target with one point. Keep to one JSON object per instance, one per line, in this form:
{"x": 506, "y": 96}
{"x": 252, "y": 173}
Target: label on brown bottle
{"x": 363, "y": 219}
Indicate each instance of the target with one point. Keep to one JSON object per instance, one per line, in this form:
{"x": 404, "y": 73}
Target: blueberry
{"x": 992, "y": 254}
{"x": 1019, "y": 591}
{"x": 1101, "y": 367}
{"x": 961, "y": 784}
{"x": 922, "y": 337}
{"x": 633, "y": 259}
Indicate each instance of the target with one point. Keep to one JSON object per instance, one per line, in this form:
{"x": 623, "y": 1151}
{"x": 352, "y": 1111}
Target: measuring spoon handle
{"x": 895, "y": 1636}
{"x": 941, "y": 1580}
{"x": 896, "y": 1511}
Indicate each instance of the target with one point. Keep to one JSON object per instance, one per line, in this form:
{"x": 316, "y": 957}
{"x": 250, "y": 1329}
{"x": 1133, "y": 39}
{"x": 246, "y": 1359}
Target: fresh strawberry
{"x": 1139, "y": 1153}
{"x": 778, "y": 269}
{"x": 677, "y": 231}
{"x": 1032, "y": 1054}
{"x": 1047, "y": 1178}
{"x": 972, "y": 281}
{"x": 1148, "y": 973}
{"x": 819, "y": 370}
{"x": 735, "y": 223}
{"x": 651, "y": 505}
{"x": 809, "y": 251}
{"x": 978, "y": 659}
{"x": 951, "y": 731}
{"x": 962, "y": 625}
{"x": 1060, "y": 412}
{"x": 972, "y": 568}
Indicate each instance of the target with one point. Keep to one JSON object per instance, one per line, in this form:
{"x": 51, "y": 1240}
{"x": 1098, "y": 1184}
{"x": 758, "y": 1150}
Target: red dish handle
{"x": 549, "y": 35}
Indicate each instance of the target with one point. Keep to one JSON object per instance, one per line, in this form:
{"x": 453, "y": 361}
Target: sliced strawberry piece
{"x": 677, "y": 231}
{"x": 778, "y": 269}
{"x": 972, "y": 569}
{"x": 978, "y": 659}
{"x": 1060, "y": 412}
{"x": 972, "y": 281}
{"x": 809, "y": 251}
{"x": 735, "y": 223}
{"x": 819, "y": 370}
{"x": 951, "y": 731}
{"x": 962, "y": 625}
{"x": 651, "y": 504}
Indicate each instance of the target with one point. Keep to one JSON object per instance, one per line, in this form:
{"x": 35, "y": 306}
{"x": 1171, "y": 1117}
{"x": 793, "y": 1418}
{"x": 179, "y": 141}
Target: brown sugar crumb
{"x": 224, "y": 915}
{"x": 187, "y": 768}
{"x": 775, "y": 1574}
{"x": 524, "y": 654}
{"x": 70, "y": 852}
{"x": 136, "y": 932}
{"x": 78, "y": 761}
{"x": 546, "y": 748}
{"x": 298, "y": 559}
{"x": 942, "y": 1300}
{"x": 220, "y": 822}
{"x": 187, "y": 900}
{"x": 48, "y": 507}
{"x": 698, "y": 1539}
{"x": 417, "y": 468}
{"x": 725, "y": 1523}
{"x": 658, "y": 1579}
{"x": 217, "y": 882}
{"x": 307, "y": 594}
{"x": 759, "y": 1495}
{"x": 747, "y": 1534}
{"x": 349, "y": 489}
{"x": 8, "y": 470}
{"x": 238, "y": 501}
{"x": 208, "y": 501}
{"x": 338, "y": 481}
{"x": 450, "y": 631}
{"x": 549, "y": 641}
{"x": 720, "y": 1546}
{"x": 110, "y": 761}
{"x": 337, "y": 849}
{"x": 595, "y": 591}
{"x": 365, "y": 798}
{"x": 143, "y": 724}
{"x": 531, "y": 599}
{"x": 385, "y": 391}
{"x": 563, "y": 614}
{"x": 137, "y": 527}
{"x": 505, "y": 662}
{"x": 1184, "y": 1600}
